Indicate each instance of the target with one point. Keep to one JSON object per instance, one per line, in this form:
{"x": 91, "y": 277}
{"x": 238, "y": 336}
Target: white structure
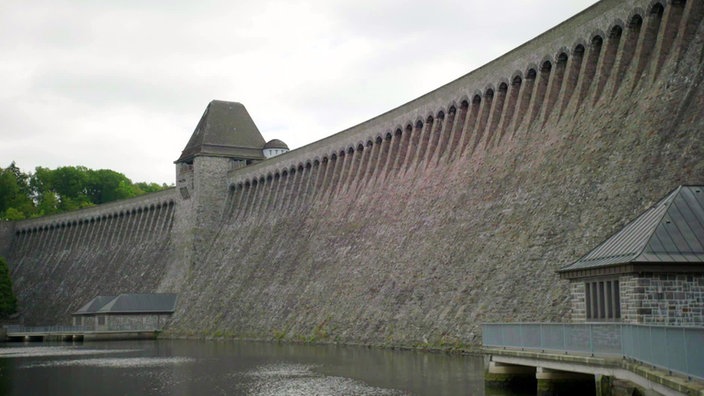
{"x": 274, "y": 147}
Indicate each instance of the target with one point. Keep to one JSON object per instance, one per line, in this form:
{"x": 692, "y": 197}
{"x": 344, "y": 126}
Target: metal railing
{"x": 678, "y": 349}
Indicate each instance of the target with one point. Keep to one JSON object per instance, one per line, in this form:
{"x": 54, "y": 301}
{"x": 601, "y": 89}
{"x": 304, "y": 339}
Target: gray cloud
{"x": 121, "y": 85}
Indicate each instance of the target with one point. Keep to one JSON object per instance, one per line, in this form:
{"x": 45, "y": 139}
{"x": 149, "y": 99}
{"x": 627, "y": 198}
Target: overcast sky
{"x": 122, "y": 84}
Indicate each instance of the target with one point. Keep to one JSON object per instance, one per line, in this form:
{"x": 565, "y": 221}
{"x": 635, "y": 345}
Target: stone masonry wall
{"x": 7, "y": 230}
{"x": 58, "y": 263}
{"x": 418, "y": 225}
{"x": 667, "y": 299}
{"x": 578, "y": 307}
{"x": 458, "y": 207}
{"x": 135, "y": 322}
{"x": 629, "y": 302}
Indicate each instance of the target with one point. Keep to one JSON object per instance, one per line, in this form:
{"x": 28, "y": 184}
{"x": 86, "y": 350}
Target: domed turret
{"x": 274, "y": 147}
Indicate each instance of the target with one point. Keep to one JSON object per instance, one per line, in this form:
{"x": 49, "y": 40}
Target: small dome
{"x": 275, "y": 144}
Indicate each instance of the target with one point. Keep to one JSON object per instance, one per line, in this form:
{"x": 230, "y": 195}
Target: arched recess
{"x": 448, "y": 131}
{"x": 590, "y": 65}
{"x": 555, "y": 86}
{"x": 613, "y": 44}
{"x": 528, "y": 82}
{"x": 512, "y": 104}
{"x": 632, "y": 31}
{"x": 464, "y": 124}
{"x": 648, "y": 39}
{"x": 540, "y": 89}
{"x": 426, "y": 136}
{"x": 434, "y": 141}
{"x": 483, "y": 118}
{"x": 669, "y": 32}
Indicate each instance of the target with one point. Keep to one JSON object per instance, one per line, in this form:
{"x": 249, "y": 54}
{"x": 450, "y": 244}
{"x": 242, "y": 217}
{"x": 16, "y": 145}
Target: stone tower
{"x": 226, "y": 138}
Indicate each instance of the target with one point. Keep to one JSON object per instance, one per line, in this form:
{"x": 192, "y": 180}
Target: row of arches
{"x": 122, "y": 229}
{"x": 93, "y": 219}
{"x": 628, "y": 54}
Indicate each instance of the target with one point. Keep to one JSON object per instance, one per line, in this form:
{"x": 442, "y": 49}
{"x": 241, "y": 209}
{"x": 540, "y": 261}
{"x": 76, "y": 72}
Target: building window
{"x": 602, "y": 300}
{"x": 101, "y": 320}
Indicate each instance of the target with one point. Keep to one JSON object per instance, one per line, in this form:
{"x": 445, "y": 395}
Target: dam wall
{"x": 416, "y": 226}
{"x": 59, "y": 263}
{"x": 458, "y": 207}
{"x": 7, "y": 229}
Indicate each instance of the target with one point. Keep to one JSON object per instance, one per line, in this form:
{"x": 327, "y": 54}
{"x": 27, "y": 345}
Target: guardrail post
{"x": 542, "y": 344}
{"x": 564, "y": 340}
{"x": 684, "y": 347}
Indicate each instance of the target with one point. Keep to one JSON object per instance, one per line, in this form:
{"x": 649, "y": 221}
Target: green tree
{"x": 63, "y": 189}
{"x": 13, "y": 214}
{"x": 145, "y": 187}
{"x": 8, "y": 301}
{"x": 105, "y": 185}
{"x": 15, "y": 194}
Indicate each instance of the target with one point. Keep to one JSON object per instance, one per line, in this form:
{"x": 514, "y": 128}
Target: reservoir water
{"x": 187, "y": 367}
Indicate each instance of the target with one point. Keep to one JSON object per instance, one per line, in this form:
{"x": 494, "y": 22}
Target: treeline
{"x": 50, "y": 191}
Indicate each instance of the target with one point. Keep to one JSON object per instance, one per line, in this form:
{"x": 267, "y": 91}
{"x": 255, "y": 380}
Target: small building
{"x": 136, "y": 312}
{"x": 86, "y": 315}
{"x": 274, "y": 147}
{"x": 649, "y": 272}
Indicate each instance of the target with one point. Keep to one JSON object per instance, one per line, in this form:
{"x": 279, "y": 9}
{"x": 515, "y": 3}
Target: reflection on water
{"x": 298, "y": 379}
{"x": 180, "y": 367}
{"x": 54, "y": 351}
{"x": 114, "y": 362}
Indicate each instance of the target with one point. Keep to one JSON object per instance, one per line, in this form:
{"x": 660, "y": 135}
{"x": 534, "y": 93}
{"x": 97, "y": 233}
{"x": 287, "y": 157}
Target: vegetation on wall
{"x": 50, "y": 191}
{"x": 8, "y": 302}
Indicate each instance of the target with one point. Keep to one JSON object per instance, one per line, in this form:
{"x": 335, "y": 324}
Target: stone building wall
{"x": 668, "y": 299}
{"x": 134, "y": 322}
{"x": 578, "y": 307}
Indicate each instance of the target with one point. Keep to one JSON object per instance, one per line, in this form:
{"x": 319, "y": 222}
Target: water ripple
{"x": 47, "y": 351}
{"x": 299, "y": 379}
{"x": 137, "y": 362}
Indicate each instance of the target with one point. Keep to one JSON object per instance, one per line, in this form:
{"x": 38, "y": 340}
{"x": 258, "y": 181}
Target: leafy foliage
{"x": 47, "y": 191}
{"x": 8, "y": 301}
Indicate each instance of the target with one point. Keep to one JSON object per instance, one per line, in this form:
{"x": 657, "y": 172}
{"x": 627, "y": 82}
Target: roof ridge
{"x": 639, "y": 251}
{"x": 671, "y": 197}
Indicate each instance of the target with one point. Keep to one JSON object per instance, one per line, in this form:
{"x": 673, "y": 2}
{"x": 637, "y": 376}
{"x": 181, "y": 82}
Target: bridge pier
{"x": 545, "y": 381}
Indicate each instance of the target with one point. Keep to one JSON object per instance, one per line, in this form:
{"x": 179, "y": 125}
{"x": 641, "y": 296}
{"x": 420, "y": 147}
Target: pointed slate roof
{"x": 94, "y": 305}
{"x": 224, "y": 130}
{"x": 671, "y": 231}
{"x": 140, "y": 303}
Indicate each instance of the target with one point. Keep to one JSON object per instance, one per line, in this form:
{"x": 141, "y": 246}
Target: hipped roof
{"x": 225, "y": 130}
{"x": 94, "y": 305}
{"x": 671, "y": 231}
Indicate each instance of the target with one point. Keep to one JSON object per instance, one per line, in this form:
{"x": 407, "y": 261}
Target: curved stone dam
{"x": 415, "y": 226}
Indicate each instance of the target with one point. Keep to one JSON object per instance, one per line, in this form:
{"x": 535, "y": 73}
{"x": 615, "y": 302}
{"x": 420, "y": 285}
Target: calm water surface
{"x": 185, "y": 367}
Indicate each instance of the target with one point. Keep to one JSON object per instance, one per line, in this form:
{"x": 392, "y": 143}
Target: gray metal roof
{"x": 94, "y": 305}
{"x": 140, "y": 303}
{"x": 671, "y": 231}
{"x": 225, "y": 130}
